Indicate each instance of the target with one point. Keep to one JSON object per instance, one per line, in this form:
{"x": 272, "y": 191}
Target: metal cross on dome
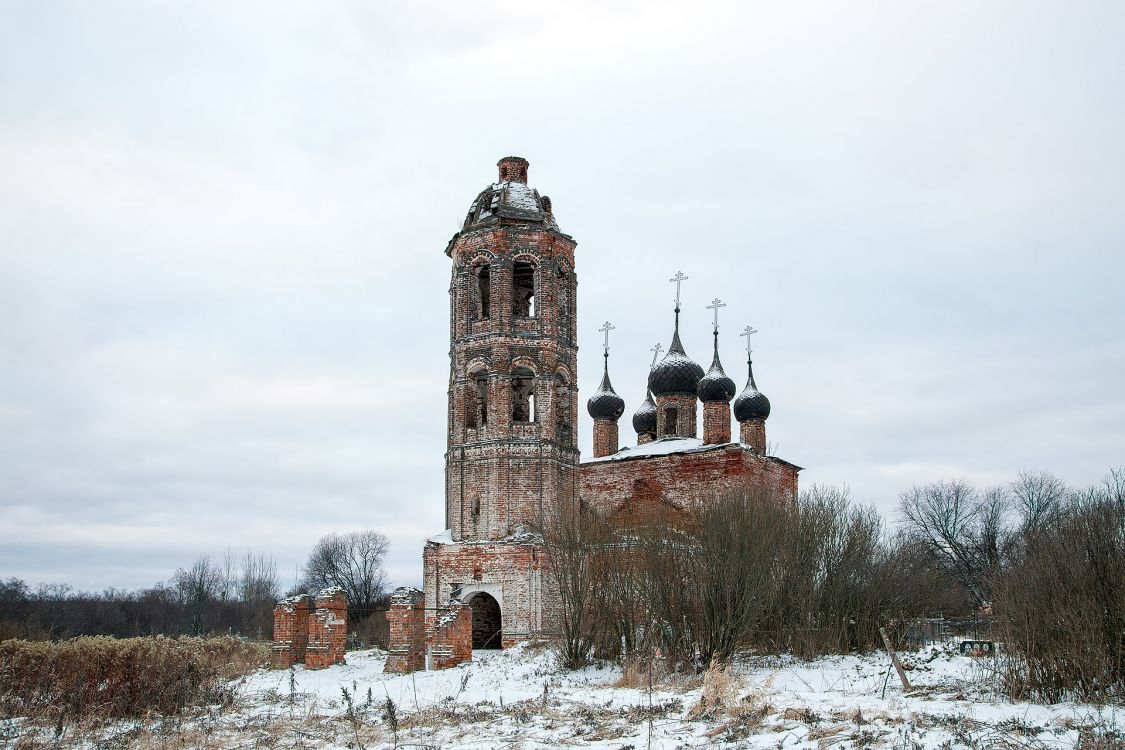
{"x": 606, "y": 328}
{"x": 715, "y": 305}
{"x": 678, "y": 279}
{"x": 656, "y": 353}
{"x": 748, "y": 332}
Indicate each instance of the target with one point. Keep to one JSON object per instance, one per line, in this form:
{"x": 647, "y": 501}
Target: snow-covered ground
{"x": 520, "y": 698}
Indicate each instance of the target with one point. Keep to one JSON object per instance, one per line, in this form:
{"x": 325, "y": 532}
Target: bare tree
{"x": 1038, "y": 496}
{"x": 960, "y": 530}
{"x": 354, "y": 562}
{"x": 197, "y": 587}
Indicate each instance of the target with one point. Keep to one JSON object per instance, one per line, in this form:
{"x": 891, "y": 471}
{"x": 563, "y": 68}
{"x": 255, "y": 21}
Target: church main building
{"x": 512, "y": 454}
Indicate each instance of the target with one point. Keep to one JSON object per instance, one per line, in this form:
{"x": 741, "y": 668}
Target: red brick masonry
{"x": 308, "y": 631}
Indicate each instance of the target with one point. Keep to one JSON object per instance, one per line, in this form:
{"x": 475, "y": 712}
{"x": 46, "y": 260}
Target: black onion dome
{"x": 605, "y": 403}
{"x": 715, "y": 385}
{"x": 751, "y": 403}
{"x": 644, "y": 419}
{"x": 677, "y": 374}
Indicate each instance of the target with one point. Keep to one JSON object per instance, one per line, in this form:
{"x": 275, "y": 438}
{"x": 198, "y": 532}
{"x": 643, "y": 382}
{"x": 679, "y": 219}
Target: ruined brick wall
{"x": 512, "y": 572}
{"x": 328, "y": 630}
{"x": 605, "y": 437}
{"x": 716, "y": 422}
{"x": 452, "y": 640}
{"x": 406, "y": 618}
{"x": 646, "y": 488}
{"x": 290, "y": 631}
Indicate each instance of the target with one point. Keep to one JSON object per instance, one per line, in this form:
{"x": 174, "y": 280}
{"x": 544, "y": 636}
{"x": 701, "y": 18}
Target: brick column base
{"x": 406, "y": 645}
{"x": 290, "y": 631}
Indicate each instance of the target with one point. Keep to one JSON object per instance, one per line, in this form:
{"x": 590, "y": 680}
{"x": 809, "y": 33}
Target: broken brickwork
{"x": 310, "y": 631}
{"x": 328, "y": 630}
{"x": 290, "y": 631}
{"x": 451, "y": 642}
{"x": 406, "y": 645}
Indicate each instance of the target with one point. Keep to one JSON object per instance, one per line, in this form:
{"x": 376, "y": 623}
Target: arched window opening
{"x": 561, "y": 400}
{"x": 523, "y": 290}
{"x": 523, "y": 395}
{"x": 476, "y": 406}
{"x": 482, "y": 292}
{"x": 670, "y": 415}
{"x": 564, "y": 302}
{"x": 476, "y": 508}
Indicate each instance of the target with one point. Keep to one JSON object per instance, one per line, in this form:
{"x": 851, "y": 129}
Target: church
{"x": 512, "y": 453}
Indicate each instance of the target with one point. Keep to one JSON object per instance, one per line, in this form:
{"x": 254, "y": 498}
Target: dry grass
{"x": 102, "y": 677}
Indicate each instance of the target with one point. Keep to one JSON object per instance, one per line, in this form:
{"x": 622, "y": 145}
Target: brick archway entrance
{"x": 486, "y": 621}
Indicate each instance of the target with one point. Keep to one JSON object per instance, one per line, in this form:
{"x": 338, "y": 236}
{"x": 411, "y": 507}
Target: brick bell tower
{"x": 512, "y": 449}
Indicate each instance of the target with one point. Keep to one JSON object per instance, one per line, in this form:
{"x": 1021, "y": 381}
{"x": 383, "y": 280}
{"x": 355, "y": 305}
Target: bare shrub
{"x": 1060, "y": 604}
{"x": 105, "y": 677}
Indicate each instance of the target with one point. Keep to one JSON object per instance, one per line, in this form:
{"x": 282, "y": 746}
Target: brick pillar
{"x": 452, "y": 640}
{"x": 753, "y": 433}
{"x": 716, "y": 422}
{"x": 406, "y": 645}
{"x": 643, "y": 438}
{"x": 290, "y": 631}
{"x": 605, "y": 438}
{"x": 685, "y": 416}
{"x": 328, "y": 630}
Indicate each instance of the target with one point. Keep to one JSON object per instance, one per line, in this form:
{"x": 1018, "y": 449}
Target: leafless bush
{"x": 107, "y": 677}
{"x": 1060, "y": 604}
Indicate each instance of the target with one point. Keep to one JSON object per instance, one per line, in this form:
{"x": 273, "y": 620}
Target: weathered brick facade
{"x": 675, "y": 416}
{"x": 640, "y": 486}
{"x": 407, "y": 640}
{"x": 753, "y": 433}
{"x": 309, "y": 631}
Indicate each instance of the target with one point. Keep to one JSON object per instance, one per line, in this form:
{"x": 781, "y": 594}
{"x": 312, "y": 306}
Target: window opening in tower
{"x": 482, "y": 292}
{"x": 523, "y": 396}
{"x": 523, "y": 290}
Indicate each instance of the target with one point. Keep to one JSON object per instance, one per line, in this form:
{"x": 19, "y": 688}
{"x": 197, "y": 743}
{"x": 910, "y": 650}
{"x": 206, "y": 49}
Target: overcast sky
{"x": 224, "y": 294}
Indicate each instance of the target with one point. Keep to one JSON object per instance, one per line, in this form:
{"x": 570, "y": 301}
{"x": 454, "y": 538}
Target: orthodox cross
{"x": 606, "y": 328}
{"x": 678, "y": 279}
{"x": 656, "y": 353}
{"x": 715, "y": 305}
{"x": 748, "y": 332}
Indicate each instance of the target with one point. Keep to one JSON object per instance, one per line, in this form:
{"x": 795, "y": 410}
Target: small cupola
{"x": 751, "y": 407}
{"x": 605, "y": 406}
{"x": 512, "y": 169}
{"x": 644, "y": 420}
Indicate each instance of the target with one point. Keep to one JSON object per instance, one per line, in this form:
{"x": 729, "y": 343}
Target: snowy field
{"x": 519, "y": 698}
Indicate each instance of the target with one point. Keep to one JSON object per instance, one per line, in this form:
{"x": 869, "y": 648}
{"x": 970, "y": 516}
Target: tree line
{"x": 233, "y": 594}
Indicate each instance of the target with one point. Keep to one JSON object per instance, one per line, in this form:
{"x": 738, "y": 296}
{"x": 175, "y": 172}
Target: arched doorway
{"x": 486, "y": 621}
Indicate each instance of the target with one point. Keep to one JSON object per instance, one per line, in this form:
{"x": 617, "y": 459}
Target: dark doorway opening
{"x": 486, "y": 621}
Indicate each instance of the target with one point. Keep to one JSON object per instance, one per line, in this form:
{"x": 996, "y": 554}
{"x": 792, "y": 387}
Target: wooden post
{"x": 894, "y": 658}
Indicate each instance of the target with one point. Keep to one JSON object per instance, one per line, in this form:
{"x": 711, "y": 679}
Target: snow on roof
{"x": 442, "y": 537}
{"x": 519, "y": 195}
{"x": 662, "y": 447}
